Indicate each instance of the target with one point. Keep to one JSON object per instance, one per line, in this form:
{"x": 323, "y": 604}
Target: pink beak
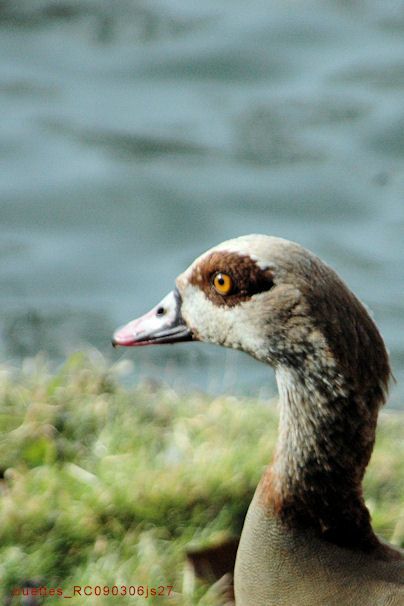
{"x": 163, "y": 324}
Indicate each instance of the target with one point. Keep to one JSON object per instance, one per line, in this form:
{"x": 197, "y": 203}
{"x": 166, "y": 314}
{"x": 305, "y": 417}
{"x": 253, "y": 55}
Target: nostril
{"x": 160, "y": 311}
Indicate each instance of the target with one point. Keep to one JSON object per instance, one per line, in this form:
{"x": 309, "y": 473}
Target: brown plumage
{"x": 307, "y": 538}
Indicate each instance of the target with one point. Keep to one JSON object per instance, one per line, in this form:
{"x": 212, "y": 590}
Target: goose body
{"x": 307, "y": 538}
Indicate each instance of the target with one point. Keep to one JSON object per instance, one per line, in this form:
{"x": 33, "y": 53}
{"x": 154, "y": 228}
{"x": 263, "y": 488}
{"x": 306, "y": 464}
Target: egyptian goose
{"x": 307, "y": 538}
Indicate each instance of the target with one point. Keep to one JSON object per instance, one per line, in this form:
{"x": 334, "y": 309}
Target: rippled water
{"x": 134, "y": 135}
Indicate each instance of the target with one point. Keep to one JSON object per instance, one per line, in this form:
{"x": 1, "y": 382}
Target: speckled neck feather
{"x": 329, "y": 401}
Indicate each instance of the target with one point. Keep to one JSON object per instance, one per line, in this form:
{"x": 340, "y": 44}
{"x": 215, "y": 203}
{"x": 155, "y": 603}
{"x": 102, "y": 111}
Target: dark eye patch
{"x": 248, "y": 279}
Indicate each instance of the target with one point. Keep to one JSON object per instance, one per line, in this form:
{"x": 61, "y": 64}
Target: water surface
{"x": 134, "y": 135}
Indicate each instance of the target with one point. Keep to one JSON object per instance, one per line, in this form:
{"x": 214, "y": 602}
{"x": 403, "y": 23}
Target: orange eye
{"x": 223, "y": 283}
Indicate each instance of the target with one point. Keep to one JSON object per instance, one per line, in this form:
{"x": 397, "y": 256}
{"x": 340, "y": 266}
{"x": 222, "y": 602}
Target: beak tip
{"x": 154, "y": 327}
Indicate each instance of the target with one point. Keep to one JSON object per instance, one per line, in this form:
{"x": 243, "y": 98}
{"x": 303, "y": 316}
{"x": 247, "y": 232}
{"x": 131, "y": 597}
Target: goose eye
{"x": 222, "y": 283}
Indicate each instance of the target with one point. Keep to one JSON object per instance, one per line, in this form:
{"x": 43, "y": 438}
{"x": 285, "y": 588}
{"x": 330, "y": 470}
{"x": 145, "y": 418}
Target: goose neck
{"x": 326, "y": 437}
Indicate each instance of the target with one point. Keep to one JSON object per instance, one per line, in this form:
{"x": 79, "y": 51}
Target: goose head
{"x": 278, "y": 302}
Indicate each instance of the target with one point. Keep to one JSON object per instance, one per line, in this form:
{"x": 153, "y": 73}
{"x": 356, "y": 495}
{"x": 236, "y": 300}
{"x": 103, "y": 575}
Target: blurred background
{"x": 135, "y": 134}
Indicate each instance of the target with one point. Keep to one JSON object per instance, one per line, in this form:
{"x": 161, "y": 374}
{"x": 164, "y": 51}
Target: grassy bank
{"x": 107, "y": 486}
